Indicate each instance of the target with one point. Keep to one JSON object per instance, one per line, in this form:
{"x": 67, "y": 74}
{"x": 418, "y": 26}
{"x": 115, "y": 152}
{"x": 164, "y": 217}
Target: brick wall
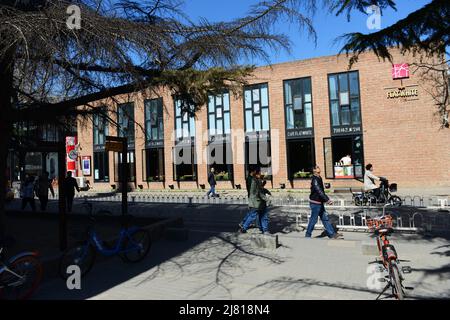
{"x": 401, "y": 138}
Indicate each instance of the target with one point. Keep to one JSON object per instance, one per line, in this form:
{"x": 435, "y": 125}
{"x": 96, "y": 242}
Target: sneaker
{"x": 242, "y": 230}
{"x": 337, "y": 236}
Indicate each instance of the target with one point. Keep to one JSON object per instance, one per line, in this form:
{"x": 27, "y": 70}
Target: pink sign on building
{"x": 400, "y": 71}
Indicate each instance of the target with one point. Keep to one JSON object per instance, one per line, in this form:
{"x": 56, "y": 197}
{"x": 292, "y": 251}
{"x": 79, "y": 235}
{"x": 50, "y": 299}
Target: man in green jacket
{"x": 256, "y": 202}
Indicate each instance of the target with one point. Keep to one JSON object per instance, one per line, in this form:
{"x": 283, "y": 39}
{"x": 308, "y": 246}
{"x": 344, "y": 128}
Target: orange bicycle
{"x": 382, "y": 227}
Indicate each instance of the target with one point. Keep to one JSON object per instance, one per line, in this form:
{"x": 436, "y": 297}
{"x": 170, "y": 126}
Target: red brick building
{"x": 312, "y": 111}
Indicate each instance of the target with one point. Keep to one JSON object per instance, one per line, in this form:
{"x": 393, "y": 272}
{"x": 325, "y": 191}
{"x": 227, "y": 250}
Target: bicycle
{"x": 382, "y": 227}
{"x": 132, "y": 245}
{"x": 21, "y": 275}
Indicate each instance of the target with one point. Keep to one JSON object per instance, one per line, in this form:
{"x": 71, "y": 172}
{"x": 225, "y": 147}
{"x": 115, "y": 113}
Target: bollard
{"x": 442, "y": 203}
{"x": 341, "y": 219}
{"x": 190, "y": 201}
{"x": 352, "y": 220}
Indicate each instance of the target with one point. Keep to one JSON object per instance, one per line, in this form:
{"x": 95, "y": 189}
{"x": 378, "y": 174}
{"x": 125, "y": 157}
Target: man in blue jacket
{"x": 212, "y": 184}
{"x": 317, "y": 200}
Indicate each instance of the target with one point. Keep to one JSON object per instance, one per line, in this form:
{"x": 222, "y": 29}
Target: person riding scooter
{"x": 369, "y": 181}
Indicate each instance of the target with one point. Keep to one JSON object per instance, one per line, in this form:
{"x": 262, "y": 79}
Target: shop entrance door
{"x": 344, "y": 157}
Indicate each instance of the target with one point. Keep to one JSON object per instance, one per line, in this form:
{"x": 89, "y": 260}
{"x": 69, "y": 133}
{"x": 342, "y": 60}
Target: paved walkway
{"x": 228, "y": 266}
{"x": 218, "y": 263}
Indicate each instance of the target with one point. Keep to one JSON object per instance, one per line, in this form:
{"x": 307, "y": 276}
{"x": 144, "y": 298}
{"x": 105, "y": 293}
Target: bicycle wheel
{"x": 81, "y": 255}
{"x": 136, "y": 246}
{"x": 395, "y": 201}
{"x": 394, "y": 273}
{"x": 29, "y": 269}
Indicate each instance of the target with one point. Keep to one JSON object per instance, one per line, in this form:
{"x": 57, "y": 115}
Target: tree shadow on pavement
{"x": 289, "y": 285}
{"x": 210, "y": 261}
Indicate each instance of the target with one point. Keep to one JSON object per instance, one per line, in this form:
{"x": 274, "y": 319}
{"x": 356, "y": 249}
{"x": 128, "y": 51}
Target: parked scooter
{"x": 386, "y": 196}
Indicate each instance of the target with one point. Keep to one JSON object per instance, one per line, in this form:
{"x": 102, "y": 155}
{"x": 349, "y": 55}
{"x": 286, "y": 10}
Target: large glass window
{"x": 126, "y": 122}
{"x": 344, "y": 157}
{"x": 154, "y": 125}
{"x": 344, "y": 99}
{"x": 184, "y": 123}
{"x": 184, "y": 165}
{"x": 298, "y": 103}
{"x": 258, "y": 154}
{"x": 153, "y": 163}
{"x": 221, "y": 159}
{"x": 131, "y": 168}
{"x": 300, "y": 158}
{"x": 101, "y": 167}
{"x": 219, "y": 121}
{"x": 100, "y": 128}
{"x": 256, "y": 105}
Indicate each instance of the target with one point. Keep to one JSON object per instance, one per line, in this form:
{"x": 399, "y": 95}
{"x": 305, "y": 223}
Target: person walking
{"x": 27, "y": 193}
{"x": 43, "y": 184}
{"x": 70, "y": 185}
{"x": 212, "y": 183}
{"x": 317, "y": 200}
{"x": 256, "y": 203}
{"x": 263, "y": 214}
{"x": 248, "y": 183}
{"x": 248, "y": 180}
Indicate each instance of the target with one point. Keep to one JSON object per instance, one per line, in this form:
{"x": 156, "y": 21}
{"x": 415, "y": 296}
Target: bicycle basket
{"x": 378, "y": 223}
{"x": 393, "y": 187}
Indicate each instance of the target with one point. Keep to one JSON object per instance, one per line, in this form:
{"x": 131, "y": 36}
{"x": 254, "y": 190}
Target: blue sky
{"x": 327, "y": 26}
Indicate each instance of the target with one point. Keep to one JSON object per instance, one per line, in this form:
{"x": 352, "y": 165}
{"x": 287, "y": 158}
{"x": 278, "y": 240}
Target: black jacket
{"x": 211, "y": 179}
{"x": 318, "y": 190}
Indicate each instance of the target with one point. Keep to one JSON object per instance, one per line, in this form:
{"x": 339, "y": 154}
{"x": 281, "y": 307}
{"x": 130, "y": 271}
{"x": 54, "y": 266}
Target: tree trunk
{"x": 6, "y": 94}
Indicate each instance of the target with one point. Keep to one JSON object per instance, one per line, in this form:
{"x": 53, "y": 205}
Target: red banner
{"x": 71, "y": 155}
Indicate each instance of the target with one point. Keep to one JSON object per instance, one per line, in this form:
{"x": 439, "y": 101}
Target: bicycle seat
{"x": 384, "y": 231}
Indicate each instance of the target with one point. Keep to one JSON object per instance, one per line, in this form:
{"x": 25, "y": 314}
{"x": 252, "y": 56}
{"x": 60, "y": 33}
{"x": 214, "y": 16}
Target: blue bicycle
{"x": 132, "y": 245}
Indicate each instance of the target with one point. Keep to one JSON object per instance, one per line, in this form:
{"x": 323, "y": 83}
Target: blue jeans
{"x": 249, "y": 218}
{"x": 263, "y": 216}
{"x": 212, "y": 190}
{"x": 318, "y": 210}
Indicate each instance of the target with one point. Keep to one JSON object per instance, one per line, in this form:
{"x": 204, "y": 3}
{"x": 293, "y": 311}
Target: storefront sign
{"x": 220, "y": 138}
{"x": 115, "y": 146}
{"x": 405, "y": 92}
{"x": 346, "y": 130}
{"x": 99, "y": 148}
{"x": 260, "y": 135}
{"x": 86, "y": 165}
{"x": 296, "y": 133}
{"x": 154, "y": 144}
{"x": 185, "y": 142}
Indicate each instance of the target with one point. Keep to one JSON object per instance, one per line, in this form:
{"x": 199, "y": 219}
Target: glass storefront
{"x": 219, "y": 151}
{"x": 131, "y": 168}
{"x": 344, "y": 157}
{"x": 300, "y": 155}
{"x": 185, "y": 164}
{"x": 153, "y": 156}
{"x": 153, "y": 165}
